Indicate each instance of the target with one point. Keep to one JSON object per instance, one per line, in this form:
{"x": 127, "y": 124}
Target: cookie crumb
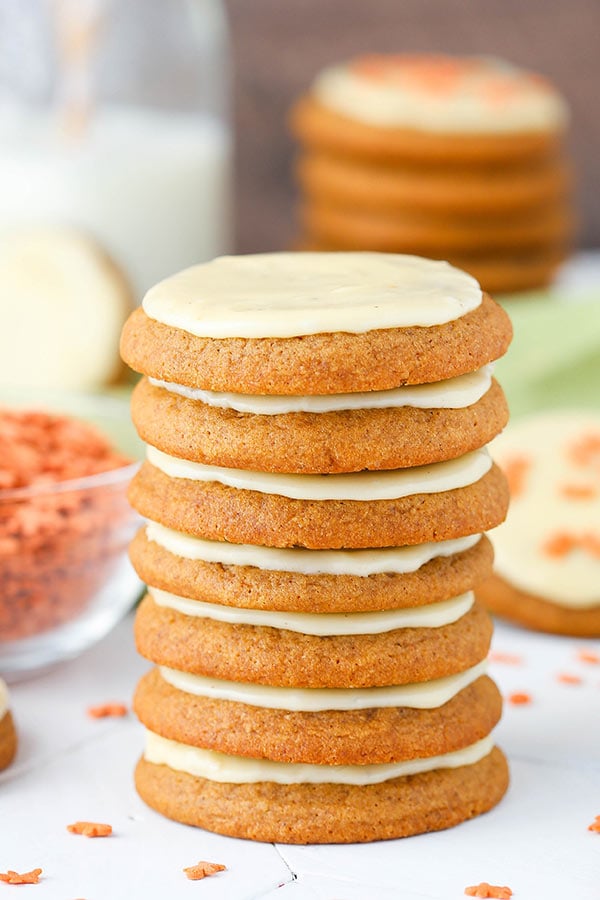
{"x": 595, "y": 826}
{"x": 103, "y": 710}
{"x": 12, "y": 877}
{"x": 566, "y": 678}
{"x": 203, "y": 869}
{"x": 519, "y": 698}
{"x": 489, "y": 890}
{"x": 90, "y": 829}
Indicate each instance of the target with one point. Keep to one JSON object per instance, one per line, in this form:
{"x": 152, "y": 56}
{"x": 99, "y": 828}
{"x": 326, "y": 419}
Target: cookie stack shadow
{"x": 319, "y": 657}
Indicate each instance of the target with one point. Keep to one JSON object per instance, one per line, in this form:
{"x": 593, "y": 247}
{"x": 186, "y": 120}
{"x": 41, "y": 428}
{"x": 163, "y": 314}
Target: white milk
{"x": 152, "y": 187}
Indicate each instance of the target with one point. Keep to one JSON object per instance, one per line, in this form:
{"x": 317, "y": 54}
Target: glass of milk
{"x": 114, "y": 119}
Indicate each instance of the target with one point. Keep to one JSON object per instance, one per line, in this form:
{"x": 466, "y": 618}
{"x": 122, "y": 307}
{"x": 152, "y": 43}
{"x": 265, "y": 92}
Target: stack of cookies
{"x": 453, "y": 158}
{"x": 316, "y": 489}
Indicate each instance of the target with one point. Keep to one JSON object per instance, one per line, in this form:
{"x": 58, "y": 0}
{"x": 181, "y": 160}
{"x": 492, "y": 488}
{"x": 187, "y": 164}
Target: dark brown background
{"x": 278, "y": 45}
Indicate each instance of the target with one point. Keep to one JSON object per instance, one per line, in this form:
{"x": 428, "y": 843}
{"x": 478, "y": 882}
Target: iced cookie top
{"x": 549, "y": 545}
{"x": 281, "y": 295}
{"x": 441, "y": 94}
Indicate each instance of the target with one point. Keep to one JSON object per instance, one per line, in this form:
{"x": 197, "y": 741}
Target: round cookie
{"x": 332, "y": 737}
{"x": 253, "y": 588}
{"x": 216, "y": 512}
{"x": 327, "y": 813}
{"x": 547, "y": 570}
{"x": 8, "y": 734}
{"x": 318, "y": 363}
{"x": 427, "y": 235}
{"x": 326, "y": 131}
{"x": 283, "y": 658}
{"x": 330, "y": 442}
{"x": 489, "y": 191}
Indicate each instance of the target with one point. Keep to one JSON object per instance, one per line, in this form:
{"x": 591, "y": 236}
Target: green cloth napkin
{"x": 554, "y": 359}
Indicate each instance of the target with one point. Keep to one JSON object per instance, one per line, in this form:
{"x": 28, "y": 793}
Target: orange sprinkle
{"x": 12, "y": 877}
{"x": 519, "y": 698}
{"x": 203, "y": 869}
{"x": 489, "y": 890}
{"x": 559, "y": 544}
{"x": 107, "y": 709}
{"x": 90, "y": 829}
{"x": 588, "y": 656}
{"x": 586, "y": 450}
{"x": 565, "y": 678}
{"x": 579, "y": 491}
{"x": 591, "y": 543}
{"x": 595, "y": 826}
{"x": 516, "y": 468}
{"x": 511, "y": 659}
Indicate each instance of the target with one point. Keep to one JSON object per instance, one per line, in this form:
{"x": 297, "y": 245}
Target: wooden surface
{"x": 280, "y": 44}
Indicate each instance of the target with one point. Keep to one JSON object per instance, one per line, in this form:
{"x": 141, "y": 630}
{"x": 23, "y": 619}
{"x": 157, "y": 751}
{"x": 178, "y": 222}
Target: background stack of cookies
{"x": 316, "y": 489}
{"x": 453, "y": 158}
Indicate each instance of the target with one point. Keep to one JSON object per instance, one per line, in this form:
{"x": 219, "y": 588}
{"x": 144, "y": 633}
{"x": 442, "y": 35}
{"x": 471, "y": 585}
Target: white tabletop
{"x": 71, "y": 767}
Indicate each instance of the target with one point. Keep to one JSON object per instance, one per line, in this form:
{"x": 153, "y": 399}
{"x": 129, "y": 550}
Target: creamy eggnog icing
{"x": 388, "y": 485}
{"x": 441, "y": 94}
{"x": 433, "y": 615}
{"x": 307, "y": 562}
{"x": 3, "y": 699}
{"x": 454, "y": 393}
{"x": 555, "y": 501}
{"x": 273, "y": 295}
{"x": 242, "y": 770}
{"x": 426, "y": 695}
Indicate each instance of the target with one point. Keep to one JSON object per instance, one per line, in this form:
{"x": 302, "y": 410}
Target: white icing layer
{"x": 388, "y": 485}
{"x": 557, "y": 496}
{"x": 273, "y": 295}
{"x": 434, "y": 615}
{"x": 307, "y": 562}
{"x": 427, "y": 695}
{"x": 441, "y": 94}
{"x": 3, "y": 699}
{"x": 454, "y": 393}
{"x": 242, "y": 770}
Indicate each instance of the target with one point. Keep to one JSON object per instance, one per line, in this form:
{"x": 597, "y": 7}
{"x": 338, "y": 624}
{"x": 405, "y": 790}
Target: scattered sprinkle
{"x": 203, "y": 869}
{"x": 11, "y": 877}
{"x": 489, "y": 890}
{"x": 586, "y": 450}
{"x": 595, "y": 826}
{"x": 588, "y": 656}
{"x": 519, "y": 698}
{"x": 510, "y": 659}
{"x": 562, "y": 543}
{"x": 103, "y": 710}
{"x": 566, "y": 678}
{"x": 578, "y": 491}
{"x": 90, "y": 829}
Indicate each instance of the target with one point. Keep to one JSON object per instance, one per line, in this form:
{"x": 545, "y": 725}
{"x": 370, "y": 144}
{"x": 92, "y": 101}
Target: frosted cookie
{"x": 435, "y": 108}
{"x": 460, "y": 497}
{"x": 8, "y": 734}
{"x": 310, "y": 581}
{"x": 406, "y": 320}
{"x": 324, "y": 812}
{"x": 547, "y": 569}
{"x": 68, "y": 304}
{"x": 395, "y": 435}
{"x": 284, "y": 658}
{"x": 441, "y": 717}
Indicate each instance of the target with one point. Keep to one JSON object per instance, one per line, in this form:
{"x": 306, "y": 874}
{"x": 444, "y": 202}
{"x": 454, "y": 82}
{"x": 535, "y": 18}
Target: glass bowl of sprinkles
{"x": 65, "y": 524}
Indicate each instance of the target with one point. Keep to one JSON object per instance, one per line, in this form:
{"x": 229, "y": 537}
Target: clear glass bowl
{"x": 65, "y": 578}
